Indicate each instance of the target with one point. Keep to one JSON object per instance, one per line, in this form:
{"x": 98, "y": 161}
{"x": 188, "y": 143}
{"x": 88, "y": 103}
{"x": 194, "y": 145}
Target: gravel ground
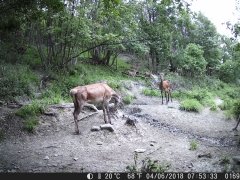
{"x": 162, "y": 133}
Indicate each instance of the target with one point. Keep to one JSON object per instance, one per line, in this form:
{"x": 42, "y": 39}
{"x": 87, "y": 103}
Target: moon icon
{"x": 89, "y": 176}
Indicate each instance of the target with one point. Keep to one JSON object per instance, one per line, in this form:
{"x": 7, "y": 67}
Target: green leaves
{"x": 193, "y": 62}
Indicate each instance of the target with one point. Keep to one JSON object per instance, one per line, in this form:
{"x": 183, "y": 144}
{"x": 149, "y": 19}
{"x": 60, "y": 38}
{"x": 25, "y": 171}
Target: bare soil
{"x": 163, "y": 132}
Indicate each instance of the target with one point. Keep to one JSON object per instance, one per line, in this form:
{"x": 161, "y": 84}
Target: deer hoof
{"x": 76, "y": 133}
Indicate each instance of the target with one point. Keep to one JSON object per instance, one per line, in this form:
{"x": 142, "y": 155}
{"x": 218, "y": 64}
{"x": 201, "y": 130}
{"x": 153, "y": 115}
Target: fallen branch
{"x": 86, "y": 116}
{"x": 66, "y": 105}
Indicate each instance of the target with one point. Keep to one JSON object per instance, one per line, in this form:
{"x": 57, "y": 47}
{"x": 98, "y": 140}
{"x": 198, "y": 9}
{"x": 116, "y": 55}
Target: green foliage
{"x": 193, "y": 62}
{"x": 213, "y": 107}
{"x": 128, "y": 99}
{"x": 153, "y": 166}
{"x": 30, "y": 110}
{"x": 190, "y": 105}
{"x": 83, "y": 74}
{"x": 151, "y": 92}
{"x": 235, "y": 108}
{"x": 30, "y": 123}
{"x": 16, "y": 80}
{"x": 202, "y": 95}
{"x": 227, "y": 104}
{"x": 148, "y": 165}
{"x": 31, "y": 58}
{"x": 193, "y": 145}
{"x": 227, "y": 71}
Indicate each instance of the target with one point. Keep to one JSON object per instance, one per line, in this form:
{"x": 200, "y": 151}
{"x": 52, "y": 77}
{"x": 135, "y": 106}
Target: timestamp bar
{"x": 127, "y": 176}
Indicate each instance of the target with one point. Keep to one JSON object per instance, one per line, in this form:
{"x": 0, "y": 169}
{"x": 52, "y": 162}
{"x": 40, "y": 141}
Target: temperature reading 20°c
{"x": 112, "y": 176}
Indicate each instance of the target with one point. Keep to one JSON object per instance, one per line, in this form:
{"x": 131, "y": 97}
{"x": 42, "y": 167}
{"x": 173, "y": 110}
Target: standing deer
{"x": 93, "y": 94}
{"x": 165, "y": 86}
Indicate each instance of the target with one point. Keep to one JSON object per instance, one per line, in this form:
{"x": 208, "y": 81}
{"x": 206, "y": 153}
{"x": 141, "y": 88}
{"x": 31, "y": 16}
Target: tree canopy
{"x": 163, "y": 35}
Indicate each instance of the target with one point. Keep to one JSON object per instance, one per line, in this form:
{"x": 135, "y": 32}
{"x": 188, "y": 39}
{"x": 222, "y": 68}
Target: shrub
{"x": 16, "y": 80}
{"x": 226, "y": 105}
{"x": 227, "y": 71}
{"x": 30, "y": 110}
{"x": 190, "y": 105}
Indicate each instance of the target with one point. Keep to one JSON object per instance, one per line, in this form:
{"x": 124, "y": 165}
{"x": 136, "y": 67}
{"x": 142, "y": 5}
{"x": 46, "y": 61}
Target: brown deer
{"x": 93, "y": 94}
{"x": 165, "y": 86}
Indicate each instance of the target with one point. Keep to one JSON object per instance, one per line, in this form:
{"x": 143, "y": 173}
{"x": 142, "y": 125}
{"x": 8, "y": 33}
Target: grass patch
{"x": 30, "y": 123}
{"x": 148, "y": 165}
{"x": 213, "y": 107}
{"x": 128, "y": 99}
{"x": 193, "y": 145}
{"x": 190, "y": 105}
{"x": 33, "y": 109}
{"x": 151, "y": 92}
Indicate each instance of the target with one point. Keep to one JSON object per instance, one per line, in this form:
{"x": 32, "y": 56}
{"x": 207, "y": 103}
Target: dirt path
{"x": 162, "y": 131}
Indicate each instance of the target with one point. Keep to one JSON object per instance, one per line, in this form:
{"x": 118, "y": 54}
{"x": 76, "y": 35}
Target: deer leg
{"x": 104, "y": 113}
{"x": 166, "y": 97}
{"x": 170, "y": 95}
{"x": 76, "y": 112}
{"x": 108, "y": 114}
{"x": 162, "y": 96}
{"x": 235, "y": 129}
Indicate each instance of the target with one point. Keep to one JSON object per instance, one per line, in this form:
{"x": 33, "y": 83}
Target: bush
{"x": 190, "y": 105}
{"x": 30, "y": 110}
{"x": 235, "y": 109}
{"x": 227, "y": 71}
{"x": 226, "y": 105}
{"x": 193, "y": 62}
{"x": 16, "y": 80}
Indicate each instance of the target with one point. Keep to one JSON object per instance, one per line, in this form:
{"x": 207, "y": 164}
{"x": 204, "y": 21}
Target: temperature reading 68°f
{"x": 112, "y": 176}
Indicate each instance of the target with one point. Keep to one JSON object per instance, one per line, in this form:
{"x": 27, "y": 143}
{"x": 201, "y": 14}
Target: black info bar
{"x": 127, "y": 176}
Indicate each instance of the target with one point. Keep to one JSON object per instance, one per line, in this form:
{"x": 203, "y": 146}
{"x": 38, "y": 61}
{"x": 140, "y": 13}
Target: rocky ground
{"x": 161, "y": 132}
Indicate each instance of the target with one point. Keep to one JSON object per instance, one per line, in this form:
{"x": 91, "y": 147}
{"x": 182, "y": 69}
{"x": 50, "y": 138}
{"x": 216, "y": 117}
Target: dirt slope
{"x": 162, "y": 131}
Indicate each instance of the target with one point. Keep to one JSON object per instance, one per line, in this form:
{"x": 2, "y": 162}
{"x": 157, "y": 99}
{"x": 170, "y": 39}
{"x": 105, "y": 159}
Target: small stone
{"x": 95, "y": 128}
{"x": 46, "y": 158}
{"x": 107, "y": 127}
{"x": 75, "y": 159}
{"x": 207, "y": 155}
{"x": 99, "y": 143}
{"x": 140, "y": 150}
